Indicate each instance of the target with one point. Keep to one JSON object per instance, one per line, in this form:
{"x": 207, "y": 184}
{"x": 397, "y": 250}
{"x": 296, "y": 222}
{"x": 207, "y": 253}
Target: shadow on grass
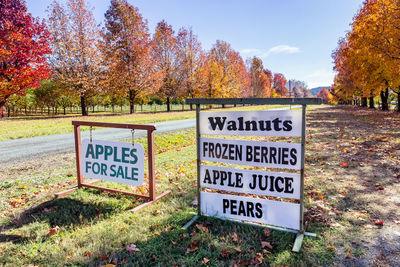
{"x": 64, "y": 212}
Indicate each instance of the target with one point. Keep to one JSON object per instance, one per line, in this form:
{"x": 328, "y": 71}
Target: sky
{"x": 292, "y": 37}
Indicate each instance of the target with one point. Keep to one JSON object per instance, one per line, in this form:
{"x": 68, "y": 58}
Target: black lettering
{"x": 287, "y": 126}
{"x": 207, "y": 178}
{"x": 293, "y": 154}
{"x": 249, "y": 150}
{"x": 265, "y": 125}
{"x": 215, "y": 176}
{"x": 277, "y": 187}
{"x": 250, "y": 207}
{"x": 218, "y": 150}
{"x": 276, "y": 122}
{"x": 260, "y": 179}
{"x": 233, "y": 207}
{"x": 272, "y": 155}
{"x": 239, "y": 177}
{"x": 288, "y": 185}
{"x": 231, "y": 126}
{"x": 225, "y": 205}
{"x": 240, "y": 119}
{"x": 225, "y": 146}
{"x": 285, "y": 155}
{"x": 271, "y": 183}
{"x": 242, "y": 210}
{"x": 253, "y": 185}
{"x": 256, "y": 154}
{"x": 259, "y": 212}
{"x": 253, "y": 125}
{"x": 214, "y": 122}
{"x": 264, "y": 154}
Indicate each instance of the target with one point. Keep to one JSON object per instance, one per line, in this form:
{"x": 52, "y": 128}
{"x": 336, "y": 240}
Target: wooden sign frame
{"x": 151, "y": 198}
{"x": 259, "y": 101}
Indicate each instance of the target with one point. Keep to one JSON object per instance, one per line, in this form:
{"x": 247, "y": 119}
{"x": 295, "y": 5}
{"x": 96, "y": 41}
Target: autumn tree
{"x": 260, "y": 84}
{"x": 190, "y": 63}
{"x": 279, "y": 84}
{"x": 325, "y": 95}
{"x": 76, "y": 58}
{"x": 227, "y": 76}
{"x": 165, "y": 55}
{"x": 23, "y": 50}
{"x": 126, "y": 49}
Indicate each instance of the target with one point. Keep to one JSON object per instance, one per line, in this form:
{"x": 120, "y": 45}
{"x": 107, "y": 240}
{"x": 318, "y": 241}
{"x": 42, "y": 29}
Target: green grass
{"x": 95, "y": 227}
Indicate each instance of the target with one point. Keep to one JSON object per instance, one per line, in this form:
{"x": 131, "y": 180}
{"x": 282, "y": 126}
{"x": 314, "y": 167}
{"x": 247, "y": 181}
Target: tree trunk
{"x": 384, "y": 99}
{"x": 398, "y": 100}
{"x": 371, "y": 102}
{"x": 112, "y": 106}
{"x": 141, "y": 107}
{"x": 131, "y": 99}
{"x": 83, "y": 106}
{"x": 168, "y": 104}
{"x": 364, "y": 102}
{"x": 64, "y": 110}
{"x": 93, "y": 108}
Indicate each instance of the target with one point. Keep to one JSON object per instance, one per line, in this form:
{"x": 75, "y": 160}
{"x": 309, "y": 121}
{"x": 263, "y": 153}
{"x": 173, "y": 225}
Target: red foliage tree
{"x": 23, "y": 49}
{"x": 280, "y": 84}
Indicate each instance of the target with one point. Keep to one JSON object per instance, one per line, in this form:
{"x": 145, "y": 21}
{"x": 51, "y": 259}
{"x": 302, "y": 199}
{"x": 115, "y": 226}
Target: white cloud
{"x": 282, "y": 49}
{"x": 320, "y": 77}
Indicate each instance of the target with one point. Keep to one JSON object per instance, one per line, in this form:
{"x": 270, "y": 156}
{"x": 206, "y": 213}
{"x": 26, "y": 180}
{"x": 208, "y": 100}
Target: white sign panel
{"x": 275, "y": 184}
{"x": 263, "y": 123}
{"x": 253, "y": 153}
{"x": 283, "y": 214}
{"x": 118, "y": 162}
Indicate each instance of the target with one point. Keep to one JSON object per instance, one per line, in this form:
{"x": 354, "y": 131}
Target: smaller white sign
{"x": 253, "y": 153}
{"x": 275, "y": 184}
{"x": 118, "y": 162}
{"x": 283, "y": 214}
{"x": 262, "y": 123}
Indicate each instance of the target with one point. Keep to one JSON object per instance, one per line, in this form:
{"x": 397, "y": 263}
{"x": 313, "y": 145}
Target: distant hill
{"x": 315, "y": 90}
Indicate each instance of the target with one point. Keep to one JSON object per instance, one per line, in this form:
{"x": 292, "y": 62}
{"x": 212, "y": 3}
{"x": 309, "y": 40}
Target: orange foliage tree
{"x": 126, "y": 49}
{"x": 260, "y": 84}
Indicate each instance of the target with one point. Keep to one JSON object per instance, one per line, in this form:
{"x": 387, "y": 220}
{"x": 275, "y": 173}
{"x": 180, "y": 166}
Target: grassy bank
{"x": 350, "y": 157}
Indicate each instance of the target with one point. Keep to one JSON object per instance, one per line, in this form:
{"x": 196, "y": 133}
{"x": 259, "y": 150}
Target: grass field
{"x": 350, "y": 156}
{"x": 24, "y": 128}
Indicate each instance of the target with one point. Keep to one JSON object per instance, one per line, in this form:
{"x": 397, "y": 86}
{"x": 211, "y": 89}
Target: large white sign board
{"x": 118, "y": 162}
{"x": 261, "y": 123}
{"x": 275, "y": 184}
{"x": 253, "y": 153}
{"x": 283, "y": 214}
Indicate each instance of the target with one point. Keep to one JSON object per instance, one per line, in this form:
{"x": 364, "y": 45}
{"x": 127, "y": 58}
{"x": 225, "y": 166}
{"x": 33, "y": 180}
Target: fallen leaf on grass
{"x": 89, "y": 254}
{"x": 69, "y": 256}
{"x": 131, "y": 248}
{"x": 235, "y": 237}
{"x": 205, "y": 261}
{"x": 380, "y": 188}
{"x": 348, "y": 253}
{"x": 377, "y": 221}
{"x": 397, "y": 221}
{"x": 266, "y": 244}
{"x": 154, "y": 257}
{"x": 237, "y": 249}
{"x": 108, "y": 265}
{"x": 225, "y": 253}
{"x": 345, "y": 164}
{"x": 53, "y": 231}
{"x": 267, "y": 232}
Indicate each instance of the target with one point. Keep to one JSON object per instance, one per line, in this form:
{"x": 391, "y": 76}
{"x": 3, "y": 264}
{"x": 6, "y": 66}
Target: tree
{"x": 75, "y": 58}
{"x": 126, "y": 49}
{"x": 165, "y": 50}
{"x": 23, "y": 49}
{"x": 279, "y": 84}
{"x": 325, "y": 95}
{"x": 260, "y": 84}
{"x": 190, "y": 63}
{"x": 227, "y": 73}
